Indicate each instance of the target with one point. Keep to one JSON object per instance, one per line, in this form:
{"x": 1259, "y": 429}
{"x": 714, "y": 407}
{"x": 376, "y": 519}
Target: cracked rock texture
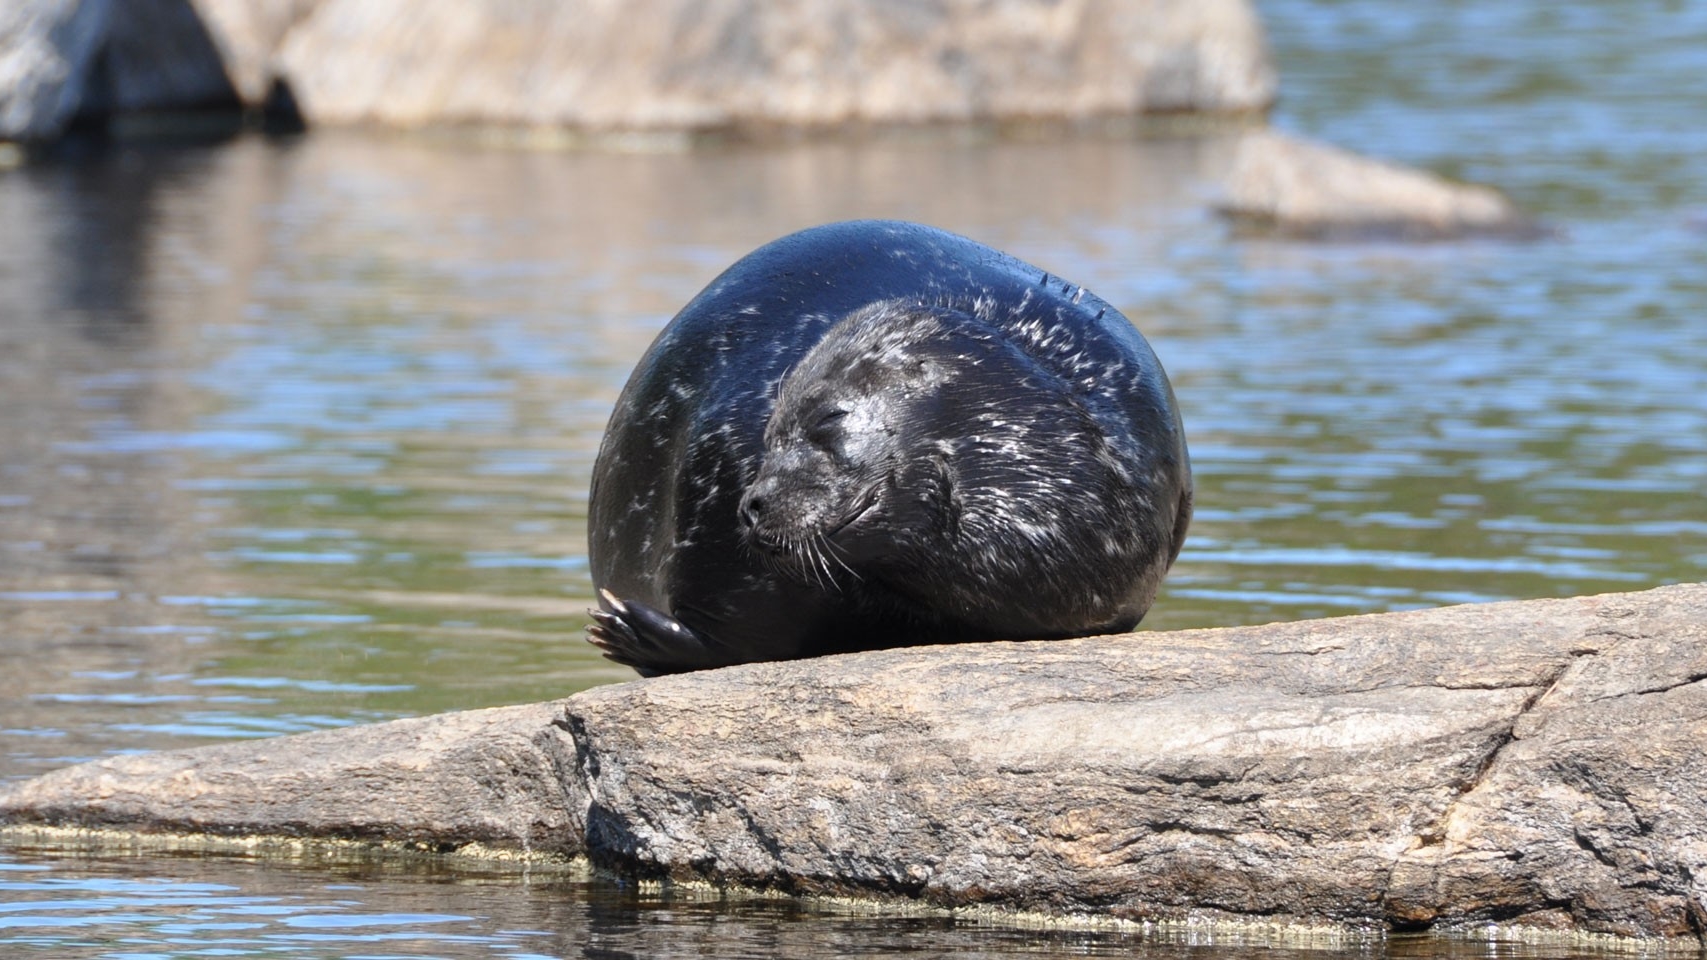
{"x": 1536, "y": 762}
{"x": 496, "y": 777}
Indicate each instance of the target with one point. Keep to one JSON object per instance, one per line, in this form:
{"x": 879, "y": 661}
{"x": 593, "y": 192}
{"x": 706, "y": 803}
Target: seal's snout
{"x": 779, "y": 509}
{"x": 757, "y": 517}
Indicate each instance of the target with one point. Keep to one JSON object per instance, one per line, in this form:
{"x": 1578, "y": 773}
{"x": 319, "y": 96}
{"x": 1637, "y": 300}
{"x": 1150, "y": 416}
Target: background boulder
{"x": 48, "y": 49}
{"x": 637, "y": 66}
{"x": 66, "y": 60}
{"x": 693, "y": 64}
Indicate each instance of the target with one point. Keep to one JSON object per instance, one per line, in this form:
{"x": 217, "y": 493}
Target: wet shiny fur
{"x": 877, "y": 434}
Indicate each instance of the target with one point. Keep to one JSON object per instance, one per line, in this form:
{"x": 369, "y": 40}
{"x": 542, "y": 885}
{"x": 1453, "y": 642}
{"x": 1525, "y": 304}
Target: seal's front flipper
{"x": 635, "y": 635}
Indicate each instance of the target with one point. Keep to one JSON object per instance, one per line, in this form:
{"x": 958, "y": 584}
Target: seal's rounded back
{"x": 936, "y": 371}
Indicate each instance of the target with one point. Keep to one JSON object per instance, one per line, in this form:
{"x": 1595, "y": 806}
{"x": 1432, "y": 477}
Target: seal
{"x": 878, "y": 434}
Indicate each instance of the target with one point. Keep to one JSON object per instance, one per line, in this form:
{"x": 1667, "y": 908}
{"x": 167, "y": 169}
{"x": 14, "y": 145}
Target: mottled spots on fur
{"x": 981, "y": 451}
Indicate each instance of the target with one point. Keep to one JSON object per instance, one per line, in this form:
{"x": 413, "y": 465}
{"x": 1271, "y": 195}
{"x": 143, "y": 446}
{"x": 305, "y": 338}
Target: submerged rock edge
{"x": 109, "y": 841}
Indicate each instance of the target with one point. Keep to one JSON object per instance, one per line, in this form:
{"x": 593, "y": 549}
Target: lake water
{"x": 296, "y": 434}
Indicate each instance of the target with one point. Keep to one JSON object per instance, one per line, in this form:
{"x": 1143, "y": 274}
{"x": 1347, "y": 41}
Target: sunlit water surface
{"x": 296, "y": 434}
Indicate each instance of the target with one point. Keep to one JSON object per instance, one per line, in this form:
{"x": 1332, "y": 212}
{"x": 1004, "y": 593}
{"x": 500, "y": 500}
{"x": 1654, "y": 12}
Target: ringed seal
{"x": 877, "y": 434}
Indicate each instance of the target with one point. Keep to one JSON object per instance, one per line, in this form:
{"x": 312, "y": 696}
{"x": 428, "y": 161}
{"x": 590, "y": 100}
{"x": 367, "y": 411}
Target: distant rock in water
{"x": 1286, "y": 186}
{"x": 689, "y": 64}
{"x": 579, "y": 71}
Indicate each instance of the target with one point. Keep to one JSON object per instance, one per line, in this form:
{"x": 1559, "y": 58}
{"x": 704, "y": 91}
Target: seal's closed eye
{"x": 827, "y": 431}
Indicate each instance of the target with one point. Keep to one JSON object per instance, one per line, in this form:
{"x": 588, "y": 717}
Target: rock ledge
{"x": 1534, "y": 763}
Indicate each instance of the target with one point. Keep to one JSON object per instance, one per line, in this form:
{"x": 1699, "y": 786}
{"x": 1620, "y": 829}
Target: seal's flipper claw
{"x": 636, "y": 635}
{"x": 609, "y": 633}
{"x": 611, "y": 602}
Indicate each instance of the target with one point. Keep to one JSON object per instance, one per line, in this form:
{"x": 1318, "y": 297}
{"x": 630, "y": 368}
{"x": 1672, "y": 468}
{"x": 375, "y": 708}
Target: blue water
{"x": 296, "y": 433}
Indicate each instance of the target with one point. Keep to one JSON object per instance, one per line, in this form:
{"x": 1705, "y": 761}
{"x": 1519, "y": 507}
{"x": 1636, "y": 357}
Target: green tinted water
{"x": 297, "y": 434}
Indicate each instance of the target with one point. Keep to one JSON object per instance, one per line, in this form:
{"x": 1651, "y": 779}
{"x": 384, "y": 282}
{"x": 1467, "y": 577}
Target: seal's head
{"x": 836, "y": 442}
{"x": 918, "y": 456}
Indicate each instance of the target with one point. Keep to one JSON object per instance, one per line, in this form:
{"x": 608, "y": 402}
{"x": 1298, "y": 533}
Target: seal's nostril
{"x": 751, "y": 509}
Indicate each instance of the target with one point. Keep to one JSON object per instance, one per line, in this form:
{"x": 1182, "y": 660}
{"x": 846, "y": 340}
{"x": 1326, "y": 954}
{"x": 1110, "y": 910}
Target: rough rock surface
{"x": 1536, "y": 762}
{"x": 158, "y": 55}
{"x": 596, "y": 69}
{"x": 1286, "y": 186}
{"x": 46, "y": 50}
{"x": 693, "y": 64}
{"x": 248, "y": 34}
{"x": 61, "y": 59}
{"x": 495, "y": 777}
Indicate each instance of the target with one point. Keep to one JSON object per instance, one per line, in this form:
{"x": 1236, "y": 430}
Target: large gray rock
{"x": 248, "y": 34}
{"x": 651, "y": 65}
{"x": 62, "y": 59}
{"x": 639, "y": 66}
{"x": 678, "y": 67}
{"x": 158, "y": 56}
{"x": 46, "y": 50}
{"x": 1534, "y": 762}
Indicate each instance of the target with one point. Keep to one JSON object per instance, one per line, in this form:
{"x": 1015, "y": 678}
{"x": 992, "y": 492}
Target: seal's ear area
{"x": 940, "y": 488}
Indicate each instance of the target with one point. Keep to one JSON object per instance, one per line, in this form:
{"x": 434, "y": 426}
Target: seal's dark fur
{"x": 877, "y": 434}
